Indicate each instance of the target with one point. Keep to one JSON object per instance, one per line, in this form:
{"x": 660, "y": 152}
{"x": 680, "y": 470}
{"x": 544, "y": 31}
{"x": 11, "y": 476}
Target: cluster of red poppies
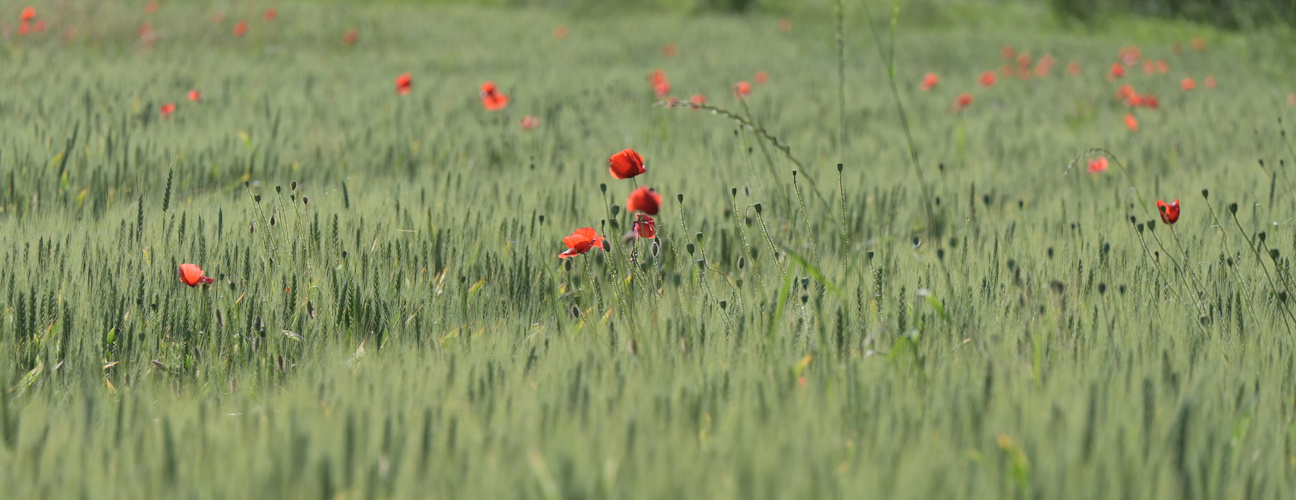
{"x": 643, "y": 202}
{"x": 167, "y": 109}
{"x": 28, "y": 23}
{"x": 662, "y": 86}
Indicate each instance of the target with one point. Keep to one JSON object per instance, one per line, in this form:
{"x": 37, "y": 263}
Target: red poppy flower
{"x": 1148, "y": 69}
{"x": 561, "y": 32}
{"x": 988, "y": 79}
{"x": 1162, "y": 66}
{"x": 1210, "y": 82}
{"x": 662, "y": 89}
{"x": 271, "y": 14}
{"x": 1130, "y": 55}
{"x": 697, "y": 99}
{"x": 1023, "y": 73}
{"x": 1187, "y": 84}
{"x": 929, "y": 82}
{"x": 495, "y": 101}
{"x": 644, "y": 200}
{"x": 1007, "y": 52}
{"x": 1291, "y": 98}
{"x": 1044, "y": 65}
{"x": 1073, "y": 68}
{"x": 785, "y": 25}
{"x": 1117, "y": 70}
{"x": 670, "y": 50}
{"x": 240, "y": 28}
{"x": 350, "y": 37}
{"x": 145, "y": 32}
{"x": 218, "y": 17}
{"x": 1125, "y": 92}
{"x": 24, "y": 27}
{"x": 1169, "y": 211}
{"x": 1131, "y": 122}
{"x": 761, "y": 77}
{"x": 963, "y": 101}
{"x": 529, "y": 122}
{"x": 167, "y": 109}
{"x": 626, "y": 164}
{"x": 192, "y": 275}
{"x": 1098, "y": 165}
{"x": 644, "y": 226}
{"x": 28, "y": 14}
{"x": 195, "y": 96}
{"x": 151, "y": 7}
{"x": 581, "y": 241}
{"x": 1023, "y": 60}
{"x": 1198, "y": 44}
{"x": 488, "y": 88}
{"x": 404, "y": 84}
{"x": 742, "y": 90}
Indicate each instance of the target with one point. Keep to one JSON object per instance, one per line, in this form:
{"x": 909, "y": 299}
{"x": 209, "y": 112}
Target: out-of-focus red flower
{"x": 929, "y": 82}
{"x": 195, "y": 96}
{"x": 581, "y": 241}
{"x": 1023, "y": 60}
{"x": 1073, "y": 68}
{"x": 644, "y": 226}
{"x": 1125, "y": 92}
{"x": 1162, "y": 66}
{"x": 1117, "y": 70}
{"x": 492, "y": 99}
{"x": 670, "y": 50}
{"x": 28, "y": 14}
{"x": 742, "y": 90}
{"x": 350, "y": 37}
{"x": 240, "y": 28}
{"x": 1210, "y": 82}
{"x": 404, "y": 84}
{"x": 192, "y": 275}
{"x": 1098, "y": 165}
{"x": 1187, "y": 84}
{"x": 561, "y": 32}
{"x": 529, "y": 122}
{"x": 697, "y": 99}
{"x": 1198, "y": 44}
{"x": 38, "y": 26}
{"x": 1044, "y": 65}
{"x": 1169, "y": 211}
{"x": 1148, "y": 69}
{"x": 151, "y": 7}
{"x": 167, "y": 109}
{"x": 962, "y": 101}
{"x": 24, "y": 27}
{"x": 626, "y": 164}
{"x": 761, "y": 77}
{"x": 1007, "y": 52}
{"x": 660, "y": 84}
{"x": 785, "y": 25}
{"x": 644, "y": 200}
{"x": 1131, "y": 122}
{"x": 988, "y": 79}
{"x": 271, "y": 14}
{"x": 1291, "y": 99}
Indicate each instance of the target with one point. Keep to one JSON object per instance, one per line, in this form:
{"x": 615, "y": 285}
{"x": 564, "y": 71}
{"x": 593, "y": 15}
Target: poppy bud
{"x": 1262, "y": 236}
{"x": 1050, "y": 252}
{"x": 1151, "y": 224}
{"x": 724, "y": 304}
{"x": 753, "y": 252}
{"x": 869, "y": 255}
{"x": 1121, "y": 289}
{"x": 733, "y": 191}
{"x": 680, "y": 197}
{"x": 1233, "y": 208}
{"x": 1133, "y": 220}
{"x": 805, "y": 282}
{"x": 1206, "y": 193}
{"x": 541, "y": 219}
{"x": 272, "y": 221}
{"x": 940, "y": 253}
{"x": 985, "y": 199}
{"x": 804, "y": 298}
{"x": 292, "y": 185}
{"x": 1102, "y": 288}
{"x": 1282, "y": 296}
{"x": 701, "y": 262}
{"x": 689, "y": 247}
{"x": 603, "y": 187}
{"x": 742, "y": 263}
{"x": 1140, "y": 227}
{"x": 1273, "y": 254}
{"x": 278, "y": 189}
{"x": 305, "y": 200}
{"x": 616, "y": 209}
{"x": 840, "y": 167}
{"x": 917, "y": 242}
{"x": 656, "y": 247}
{"x": 758, "y": 208}
{"x": 698, "y": 236}
{"x": 257, "y": 198}
{"x": 748, "y": 221}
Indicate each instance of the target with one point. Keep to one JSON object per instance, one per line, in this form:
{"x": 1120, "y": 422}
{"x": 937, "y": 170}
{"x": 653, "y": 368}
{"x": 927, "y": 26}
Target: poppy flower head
{"x": 1125, "y": 92}
{"x": 626, "y": 164}
{"x": 581, "y": 241}
{"x": 644, "y": 200}
{"x": 28, "y": 14}
{"x": 24, "y": 28}
{"x": 1169, "y": 211}
{"x": 1162, "y": 66}
{"x": 1187, "y": 84}
{"x": 1291, "y": 99}
{"x": 988, "y": 79}
{"x": 1198, "y": 44}
{"x": 1131, "y": 122}
{"x": 963, "y": 101}
{"x": 644, "y": 226}
{"x": 271, "y": 14}
{"x": 670, "y": 50}
{"x": 929, "y": 82}
{"x": 1148, "y": 68}
{"x": 1098, "y": 165}
{"x": 697, "y": 100}
{"x": 1129, "y": 55}
{"x": 785, "y": 25}
{"x": 240, "y": 28}
{"x": 1023, "y": 60}
{"x": 761, "y": 77}
{"x": 350, "y": 37}
{"x": 1210, "y": 82}
{"x": 1073, "y": 68}
{"x": 167, "y": 109}
{"x": 662, "y": 88}
{"x": 1117, "y": 70}
{"x": 529, "y": 122}
{"x": 488, "y": 88}
{"x": 561, "y": 32}
{"x": 1007, "y": 70}
{"x": 151, "y": 7}
{"x": 404, "y": 84}
{"x": 742, "y": 90}
{"x": 192, "y": 275}
{"x": 1044, "y": 65}
{"x": 1007, "y": 52}
{"x": 195, "y": 96}
{"x": 495, "y": 101}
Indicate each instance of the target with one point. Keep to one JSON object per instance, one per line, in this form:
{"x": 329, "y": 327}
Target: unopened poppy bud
{"x": 1206, "y": 193}
{"x": 257, "y": 198}
{"x": 724, "y": 304}
{"x": 344, "y": 254}
{"x": 1133, "y": 220}
{"x": 1102, "y": 288}
{"x": 869, "y": 255}
{"x": 1282, "y": 296}
{"x": 541, "y": 219}
{"x": 748, "y": 221}
{"x": 701, "y": 262}
{"x": 805, "y": 282}
{"x": 1273, "y": 254}
{"x": 753, "y": 252}
{"x": 1233, "y": 208}
{"x": 758, "y": 208}
{"x": 305, "y": 200}
{"x": 840, "y": 167}
{"x": 733, "y": 191}
{"x": 292, "y": 185}
{"x": 804, "y": 298}
{"x": 1140, "y": 227}
{"x": 680, "y": 197}
{"x": 698, "y": 236}
{"x": 656, "y": 247}
{"x": 1262, "y": 236}
{"x": 940, "y": 253}
{"x": 278, "y": 189}
{"x": 1151, "y": 224}
{"x": 689, "y": 247}
{"x": 616, "y": 209}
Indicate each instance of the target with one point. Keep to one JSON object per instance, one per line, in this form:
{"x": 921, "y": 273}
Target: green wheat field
{"x": 961, "y": 309}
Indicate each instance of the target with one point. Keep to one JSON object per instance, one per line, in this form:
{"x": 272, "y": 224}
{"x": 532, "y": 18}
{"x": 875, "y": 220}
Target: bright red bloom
{"x": 929, "y": 82}
{"x": 644, "y": 200}
{"x": 195, "y": 96}
{"x": 1098, "y": 165}
{"x": 28, "y": 14}
{"x": 529, "y": 122}
{"x": 963, "y": 101}
{"x": 670, "y": 50}
{"x": 1125, "y": 92}
{"x": 488, "y": 88}
{"x": 626, "y": 164}
{"x": 271, "y": 14}
{"x": 581, "y": 241}
{"x": 192, "y": 275}
{"x": 697, "y": 99}
{"x": 742, "y": 90}
{"x": 404, "y": 84}
{"x": 350, "y": 37}
{"x": 495, "y": 101}
{"x": 1131, "y": 122}
{"x": 1117, "y": 70}
{"x": 1169, "y": 211}
{"x": 240, "y": 28}
{"x": 661, "y": 85}
{"x": 1187, "y": 84}
{"x": 1210, "y": 82}
{"x": 167, "y": 109}
{"x": 761, "y": 77}
{"x": 1007, "y": 70}
{"x": 1073, "y": 68}
{"x": 644, "y": 226}
{"x": 988, "y": 79}
{"x": 1007, "y": 52}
